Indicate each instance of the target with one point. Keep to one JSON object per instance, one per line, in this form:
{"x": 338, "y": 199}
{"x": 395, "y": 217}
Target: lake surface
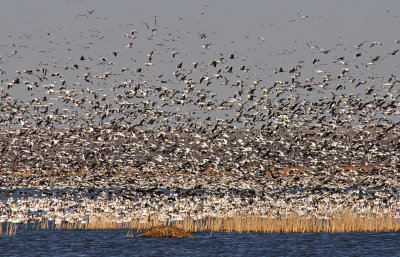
{"x": 115, "y": 243}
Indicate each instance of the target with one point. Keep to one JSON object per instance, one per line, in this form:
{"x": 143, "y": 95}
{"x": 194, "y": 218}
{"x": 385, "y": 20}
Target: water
{"x": 115, "y": 243}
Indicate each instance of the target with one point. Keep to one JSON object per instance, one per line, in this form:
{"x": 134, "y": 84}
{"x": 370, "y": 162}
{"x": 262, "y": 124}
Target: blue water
{"x": 115, "y": 243}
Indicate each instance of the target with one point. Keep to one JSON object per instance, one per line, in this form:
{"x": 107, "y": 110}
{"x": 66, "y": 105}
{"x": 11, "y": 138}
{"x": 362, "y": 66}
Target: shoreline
{"x": 344, "y": 222}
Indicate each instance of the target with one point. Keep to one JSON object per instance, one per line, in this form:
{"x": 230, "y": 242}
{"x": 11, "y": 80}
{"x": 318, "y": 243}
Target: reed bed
{"x": 346, "y": 221}
{"x": 10, "y": 229}
{"x": 294, "y": 223}
{"x": 291, "y": 223}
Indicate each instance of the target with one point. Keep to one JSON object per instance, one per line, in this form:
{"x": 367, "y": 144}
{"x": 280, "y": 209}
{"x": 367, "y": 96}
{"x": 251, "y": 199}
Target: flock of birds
{"x": 204, "y": 196}
{"x": 259, "y": 137}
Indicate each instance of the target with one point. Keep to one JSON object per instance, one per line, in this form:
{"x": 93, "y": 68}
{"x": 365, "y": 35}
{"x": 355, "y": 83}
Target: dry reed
{"x": 291, "y": 223}
{"x": 11, "y": 229}
{"x": 346, "y": 221}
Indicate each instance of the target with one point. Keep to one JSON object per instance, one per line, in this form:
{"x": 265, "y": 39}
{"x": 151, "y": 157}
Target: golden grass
{"x": 346, "y": 221}
{"x": 340, "y": 222}
{"x": 11, "y": 229}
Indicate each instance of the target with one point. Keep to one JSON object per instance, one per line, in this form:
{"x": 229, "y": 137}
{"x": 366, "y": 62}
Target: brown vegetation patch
{"x": 165, "y": 231}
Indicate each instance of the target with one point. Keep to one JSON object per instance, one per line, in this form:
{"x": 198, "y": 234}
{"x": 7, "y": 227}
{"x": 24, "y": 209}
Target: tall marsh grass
{"x": 290, "y": 223}
{"x": 340, "y": 222}
{"x": 10, "y": 229}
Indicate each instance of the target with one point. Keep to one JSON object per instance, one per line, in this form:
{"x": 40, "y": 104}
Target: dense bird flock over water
{"x": 150, "y": 125}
